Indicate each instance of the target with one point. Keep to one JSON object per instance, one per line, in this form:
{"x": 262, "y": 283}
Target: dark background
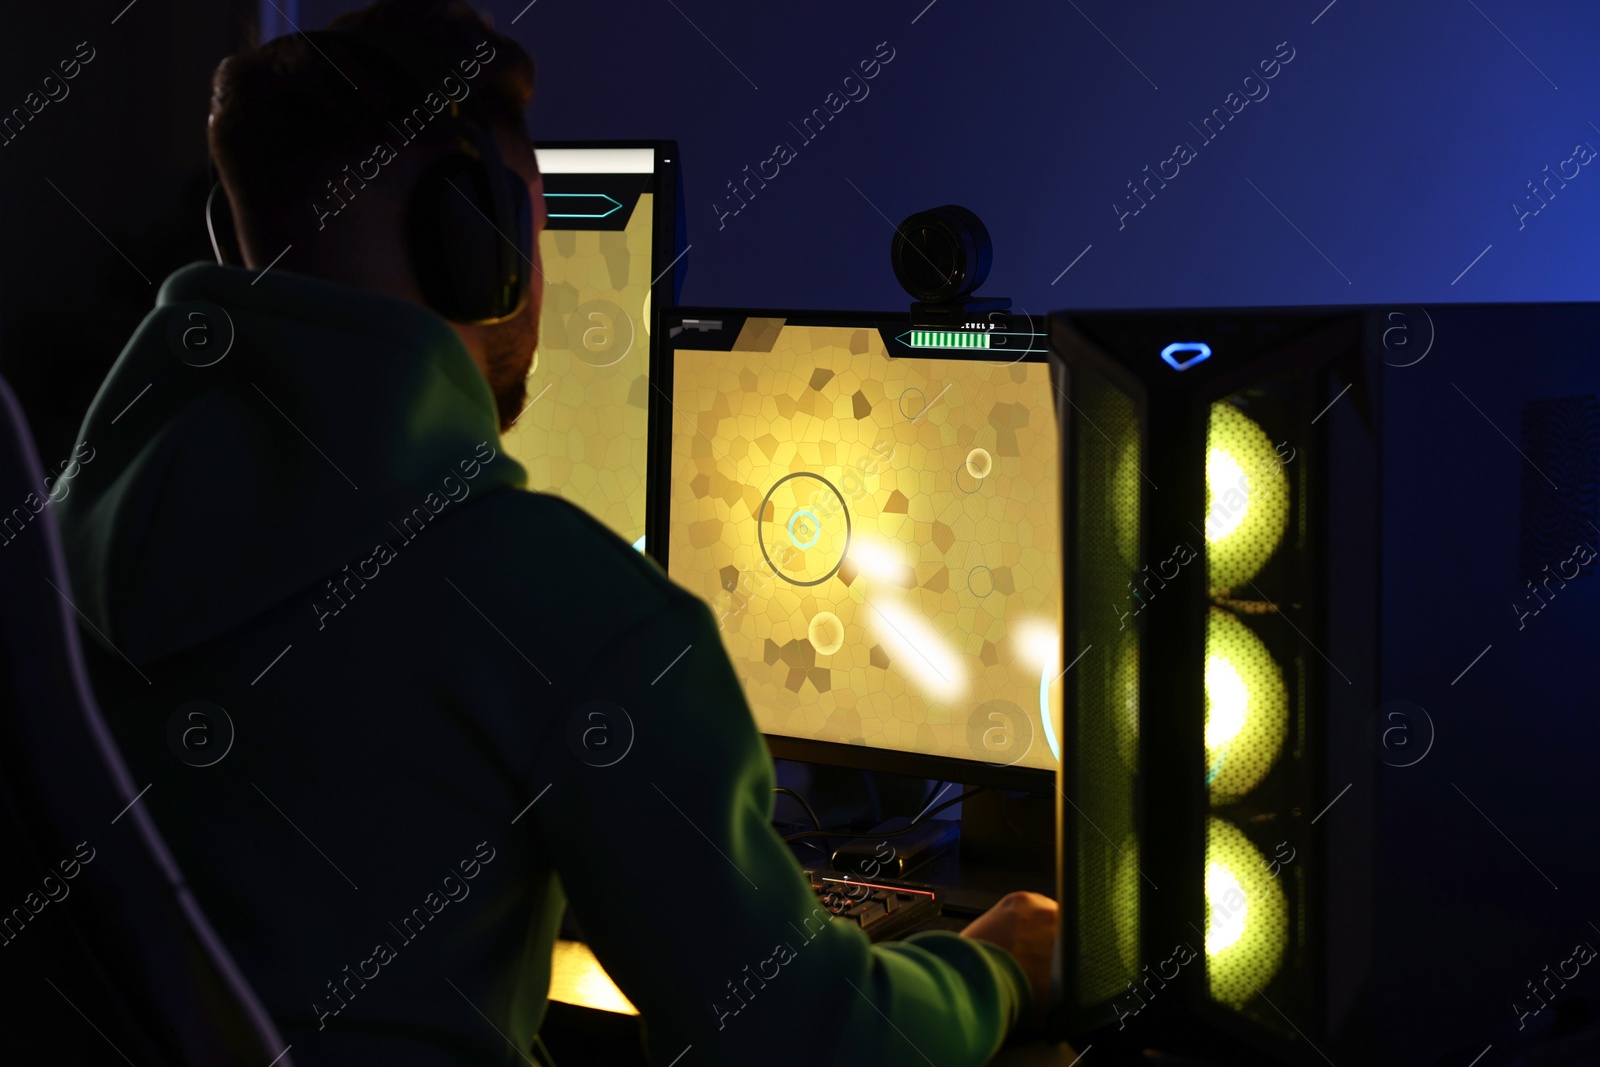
{"x": 118, "y": 168}
{"x": 1381, "y": 169}
{"x": 1391, "y": 149}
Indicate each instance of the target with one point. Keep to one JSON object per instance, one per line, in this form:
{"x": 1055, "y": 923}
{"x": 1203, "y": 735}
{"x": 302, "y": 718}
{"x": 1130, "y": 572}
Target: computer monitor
{"x": 609, "y": 257}
{"x": 872, "y": 513}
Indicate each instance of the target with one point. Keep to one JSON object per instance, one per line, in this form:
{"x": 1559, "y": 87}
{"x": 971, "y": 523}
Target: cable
{"x": 809, "y": 814}
{"x": 826, "y": 855}
{"x": 919, "y": 820}
{"x": 1004, "y": 807}
{"x": 816, "y": 822}
{"x": 933, "y": 798}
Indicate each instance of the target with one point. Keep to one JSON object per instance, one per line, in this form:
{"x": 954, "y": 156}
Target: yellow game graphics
{"x": 582, "y": 435}
{"x": 878, "y": 536}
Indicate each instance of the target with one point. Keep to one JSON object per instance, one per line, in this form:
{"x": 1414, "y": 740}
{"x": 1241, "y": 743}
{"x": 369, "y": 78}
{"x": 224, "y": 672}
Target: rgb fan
{"x": 1247, "y": 708}
{"x": 1247, "y": 916}
{"x": 1247, "y": 498}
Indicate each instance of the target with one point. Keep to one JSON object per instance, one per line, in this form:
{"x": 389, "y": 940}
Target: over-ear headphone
{"x": 468, "y": 222}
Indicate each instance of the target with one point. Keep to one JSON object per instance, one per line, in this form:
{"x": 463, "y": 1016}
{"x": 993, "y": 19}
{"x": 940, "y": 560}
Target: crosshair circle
{"x": 816, "y": 528}
{"x": 761, "y": 541}
{"x": 921, "y": 403}
{"x": 961, "y": 468}
{"x": 975, "y": 570}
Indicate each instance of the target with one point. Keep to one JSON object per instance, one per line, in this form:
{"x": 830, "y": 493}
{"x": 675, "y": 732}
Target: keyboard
{"x": 881, "y": 908}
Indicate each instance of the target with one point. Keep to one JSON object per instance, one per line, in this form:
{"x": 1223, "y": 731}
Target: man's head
{"x": 320, "y": 144}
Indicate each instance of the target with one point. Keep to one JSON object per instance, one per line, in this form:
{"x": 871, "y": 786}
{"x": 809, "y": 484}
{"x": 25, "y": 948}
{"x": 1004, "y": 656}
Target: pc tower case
{"x": 1220, "y": 551}
{"x": 1329, "y": 727}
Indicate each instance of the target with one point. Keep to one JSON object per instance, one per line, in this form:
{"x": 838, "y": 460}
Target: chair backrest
{"x": 105, "y": 955}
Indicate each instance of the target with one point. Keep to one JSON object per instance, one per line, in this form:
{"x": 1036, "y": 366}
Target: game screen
{"x": 877, "y": 535}
{"x": 581, "y": 435}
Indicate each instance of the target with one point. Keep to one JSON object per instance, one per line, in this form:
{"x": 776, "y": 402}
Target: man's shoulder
{"x": 540, "y": 543}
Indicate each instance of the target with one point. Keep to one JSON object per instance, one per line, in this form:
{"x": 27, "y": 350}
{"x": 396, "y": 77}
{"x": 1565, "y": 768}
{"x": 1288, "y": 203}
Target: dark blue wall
{"x": 1490, "y": 856}
{"x": 1395, "y": 141}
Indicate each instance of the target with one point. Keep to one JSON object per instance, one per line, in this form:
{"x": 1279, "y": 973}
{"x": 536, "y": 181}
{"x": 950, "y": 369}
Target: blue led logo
{"x": 1201, "y": 350}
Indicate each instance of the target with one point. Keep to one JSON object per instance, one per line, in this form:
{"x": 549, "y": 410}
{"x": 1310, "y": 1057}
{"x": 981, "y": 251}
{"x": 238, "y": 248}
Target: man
{"x": 300, "y": 546}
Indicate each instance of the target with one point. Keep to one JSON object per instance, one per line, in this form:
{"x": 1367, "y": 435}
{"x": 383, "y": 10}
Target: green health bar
{"x": 972, "y": 339}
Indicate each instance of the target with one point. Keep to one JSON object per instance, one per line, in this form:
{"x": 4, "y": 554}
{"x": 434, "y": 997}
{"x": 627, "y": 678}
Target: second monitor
{"x": 872, "y": 513}
{"x": 607, "y": 255}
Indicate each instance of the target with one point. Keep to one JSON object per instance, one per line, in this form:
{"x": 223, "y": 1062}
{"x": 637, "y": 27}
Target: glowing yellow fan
{"x": 1247, "y": 916}
{"x": 1247, "y": 708}
{"x": 1124, "y": 702}
{"x": 1247, "y": 498}
{"x": 1124, "y": 501}
{"x": 1125, "y": 905}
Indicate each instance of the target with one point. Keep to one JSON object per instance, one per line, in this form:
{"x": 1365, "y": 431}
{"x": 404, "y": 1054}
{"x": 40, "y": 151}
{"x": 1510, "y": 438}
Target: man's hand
{"x": 1024, "y": 924}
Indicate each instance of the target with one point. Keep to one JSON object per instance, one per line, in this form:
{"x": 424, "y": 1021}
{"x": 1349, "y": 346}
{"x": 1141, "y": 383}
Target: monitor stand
{"x": 1000, "y": 843}
{"x": 1007, "y": 843}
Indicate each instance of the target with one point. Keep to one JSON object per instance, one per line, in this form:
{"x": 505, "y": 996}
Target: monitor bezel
{"x": 1040, "y": 780}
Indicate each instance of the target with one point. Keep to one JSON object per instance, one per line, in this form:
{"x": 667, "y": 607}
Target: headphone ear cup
{"x": 520, "y": 266}
{"x": 508, "y": 195}
{"x": 471, "y": 233}
{"x": 454, "y": 247}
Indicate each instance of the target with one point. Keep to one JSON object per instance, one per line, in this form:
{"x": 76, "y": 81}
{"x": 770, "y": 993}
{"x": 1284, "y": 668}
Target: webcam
{"x": 940, "y": 257}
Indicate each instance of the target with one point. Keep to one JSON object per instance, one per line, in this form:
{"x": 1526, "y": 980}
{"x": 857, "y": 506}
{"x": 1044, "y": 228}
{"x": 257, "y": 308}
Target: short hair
{"x": 287, "y": 116}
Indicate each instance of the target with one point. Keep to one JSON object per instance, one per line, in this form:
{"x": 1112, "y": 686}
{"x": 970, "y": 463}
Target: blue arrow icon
{"x": 585, "y": 205}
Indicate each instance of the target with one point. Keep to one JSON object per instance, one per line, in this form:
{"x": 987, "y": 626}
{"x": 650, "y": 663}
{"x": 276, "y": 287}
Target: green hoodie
{"x": 450, "y": 708}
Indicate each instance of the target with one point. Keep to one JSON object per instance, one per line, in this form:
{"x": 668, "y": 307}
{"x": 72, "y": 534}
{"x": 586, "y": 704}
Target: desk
{"x": 578, "y": 980}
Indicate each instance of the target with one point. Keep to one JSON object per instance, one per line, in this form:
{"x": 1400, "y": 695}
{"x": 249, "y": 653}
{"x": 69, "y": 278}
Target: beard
{"x": 508, "y": 356}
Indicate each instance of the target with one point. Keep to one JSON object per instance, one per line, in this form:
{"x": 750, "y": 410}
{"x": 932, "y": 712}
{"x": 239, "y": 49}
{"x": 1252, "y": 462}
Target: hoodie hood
{"x": 323, "y": 417}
